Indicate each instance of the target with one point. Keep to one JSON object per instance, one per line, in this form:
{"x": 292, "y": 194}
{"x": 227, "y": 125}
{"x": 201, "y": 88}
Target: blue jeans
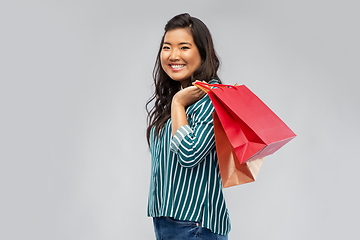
{"x": 171, "y": 229}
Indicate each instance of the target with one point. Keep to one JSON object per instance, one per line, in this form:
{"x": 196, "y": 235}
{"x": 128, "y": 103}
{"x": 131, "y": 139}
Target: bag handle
{"x": 206, "y": 87}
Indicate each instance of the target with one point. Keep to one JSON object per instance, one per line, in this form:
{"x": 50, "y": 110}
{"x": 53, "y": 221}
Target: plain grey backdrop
{"x": 75, "y": 76}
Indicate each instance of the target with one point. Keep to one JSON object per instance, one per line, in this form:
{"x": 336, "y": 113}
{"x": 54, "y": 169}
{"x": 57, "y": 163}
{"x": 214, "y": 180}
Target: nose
{"x": 174, "y": 55}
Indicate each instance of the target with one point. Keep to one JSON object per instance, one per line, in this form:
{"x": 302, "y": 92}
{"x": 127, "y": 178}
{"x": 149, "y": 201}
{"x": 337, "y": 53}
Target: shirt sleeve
{"x": 191, "y": 143}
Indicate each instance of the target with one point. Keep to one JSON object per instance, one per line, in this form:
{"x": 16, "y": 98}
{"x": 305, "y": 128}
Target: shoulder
{"x": 214, "y": 81}
{"x": 203, "y": 102}
{"x": 202, "y": 109}
{"x": 206, "y": 99}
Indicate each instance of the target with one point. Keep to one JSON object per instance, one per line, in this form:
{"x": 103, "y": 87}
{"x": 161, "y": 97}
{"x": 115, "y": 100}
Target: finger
{"x": 195, "y": 82}
{"x": 198, "y": 81}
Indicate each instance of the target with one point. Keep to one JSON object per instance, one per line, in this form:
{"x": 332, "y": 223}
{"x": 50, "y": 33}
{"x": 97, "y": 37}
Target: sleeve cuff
{"x": 180, "y": 134}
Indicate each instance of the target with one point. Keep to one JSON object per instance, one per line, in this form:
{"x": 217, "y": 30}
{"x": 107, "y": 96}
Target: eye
{"x": 165, "y": 47}
{"x": 184, "y": 47}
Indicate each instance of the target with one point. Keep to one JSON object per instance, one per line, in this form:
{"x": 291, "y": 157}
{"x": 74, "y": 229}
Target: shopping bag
{"x": 246, "y": 131}
{"x": 253, "y": 129}
{"x": 232, "y": 172}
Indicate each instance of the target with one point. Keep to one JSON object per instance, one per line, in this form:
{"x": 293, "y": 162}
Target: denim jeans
{"x": 171, "y": 229}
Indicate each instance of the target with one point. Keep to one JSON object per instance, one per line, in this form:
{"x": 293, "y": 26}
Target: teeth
{"x": 177, "y": 66}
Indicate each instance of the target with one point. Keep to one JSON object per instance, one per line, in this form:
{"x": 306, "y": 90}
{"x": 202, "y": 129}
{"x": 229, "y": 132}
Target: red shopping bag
{"x": 232, "y": 172}
{"x": 252, "y": 128}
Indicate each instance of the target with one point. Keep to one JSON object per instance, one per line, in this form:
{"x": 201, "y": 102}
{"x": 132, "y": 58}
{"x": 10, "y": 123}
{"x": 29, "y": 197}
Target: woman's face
{"x": 179, "y": 55}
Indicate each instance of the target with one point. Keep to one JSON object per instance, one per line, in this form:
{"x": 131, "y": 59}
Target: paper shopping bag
{"x": 252, "y": 128}
{"x": 232, "y": 172}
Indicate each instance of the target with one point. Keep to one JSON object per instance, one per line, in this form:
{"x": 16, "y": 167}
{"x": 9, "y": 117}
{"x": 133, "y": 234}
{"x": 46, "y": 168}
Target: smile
{"x": 177, "y": 66}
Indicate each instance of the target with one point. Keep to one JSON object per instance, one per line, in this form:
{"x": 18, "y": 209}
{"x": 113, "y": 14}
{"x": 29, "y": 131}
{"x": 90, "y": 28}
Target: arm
{"x": 192, "y": 143}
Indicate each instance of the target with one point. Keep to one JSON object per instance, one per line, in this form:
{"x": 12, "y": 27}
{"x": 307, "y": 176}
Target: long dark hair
{"x": 165, "y": 87}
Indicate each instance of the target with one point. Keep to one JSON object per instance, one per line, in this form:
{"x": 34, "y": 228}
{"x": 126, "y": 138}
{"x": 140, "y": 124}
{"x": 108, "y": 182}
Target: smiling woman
{"x": 185, "y": 198}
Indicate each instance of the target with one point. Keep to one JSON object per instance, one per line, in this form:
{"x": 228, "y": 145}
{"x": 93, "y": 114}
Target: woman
{"x": 185, "y": 199}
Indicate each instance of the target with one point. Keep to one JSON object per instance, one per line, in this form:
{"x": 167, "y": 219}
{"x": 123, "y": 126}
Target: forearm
{"x": 178, "y": 116}
{"x": 182, "y": 99}
{"x": 193, "y": 141}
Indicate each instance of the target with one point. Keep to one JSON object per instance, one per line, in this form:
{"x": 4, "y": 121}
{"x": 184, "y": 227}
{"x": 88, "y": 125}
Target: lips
{"x": 177, "y": 67}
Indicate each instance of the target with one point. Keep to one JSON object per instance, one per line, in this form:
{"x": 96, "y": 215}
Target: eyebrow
{"x": 182, "y": 43}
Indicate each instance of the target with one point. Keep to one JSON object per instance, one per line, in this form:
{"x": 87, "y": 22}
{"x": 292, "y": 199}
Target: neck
{"x": 185, "y": 83}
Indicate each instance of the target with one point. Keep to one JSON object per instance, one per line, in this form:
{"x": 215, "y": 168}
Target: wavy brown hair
{"x": 165, "y": 87}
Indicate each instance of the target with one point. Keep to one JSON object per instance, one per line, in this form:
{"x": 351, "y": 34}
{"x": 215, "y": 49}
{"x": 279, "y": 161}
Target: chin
{"x": 177, "y": 79}
{"x": 181, "y": 79}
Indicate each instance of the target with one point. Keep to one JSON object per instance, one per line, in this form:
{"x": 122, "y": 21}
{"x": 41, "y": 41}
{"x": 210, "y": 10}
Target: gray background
{"x": 75, "y": 76}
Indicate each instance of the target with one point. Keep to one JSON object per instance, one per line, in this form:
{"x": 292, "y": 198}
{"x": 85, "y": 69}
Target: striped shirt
{"x": 185, "y": 180}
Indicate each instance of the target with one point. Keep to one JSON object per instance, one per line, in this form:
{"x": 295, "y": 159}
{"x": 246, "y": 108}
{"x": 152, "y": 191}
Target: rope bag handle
{"x": 206, "y": 87}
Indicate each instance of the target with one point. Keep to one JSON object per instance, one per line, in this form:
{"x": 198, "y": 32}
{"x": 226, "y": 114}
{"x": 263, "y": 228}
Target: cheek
{"x": 197, "y": 63}
{"x": 196, "y": 60}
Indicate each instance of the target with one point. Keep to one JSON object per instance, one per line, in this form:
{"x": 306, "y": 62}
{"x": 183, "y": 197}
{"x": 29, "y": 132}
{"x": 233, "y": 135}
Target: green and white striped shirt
{"x": 185, "y": 180}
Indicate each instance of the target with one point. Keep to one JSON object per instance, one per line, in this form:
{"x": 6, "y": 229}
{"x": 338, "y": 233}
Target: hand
{"x": 188, "y": 96}
{"x": 182, "y": 99}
